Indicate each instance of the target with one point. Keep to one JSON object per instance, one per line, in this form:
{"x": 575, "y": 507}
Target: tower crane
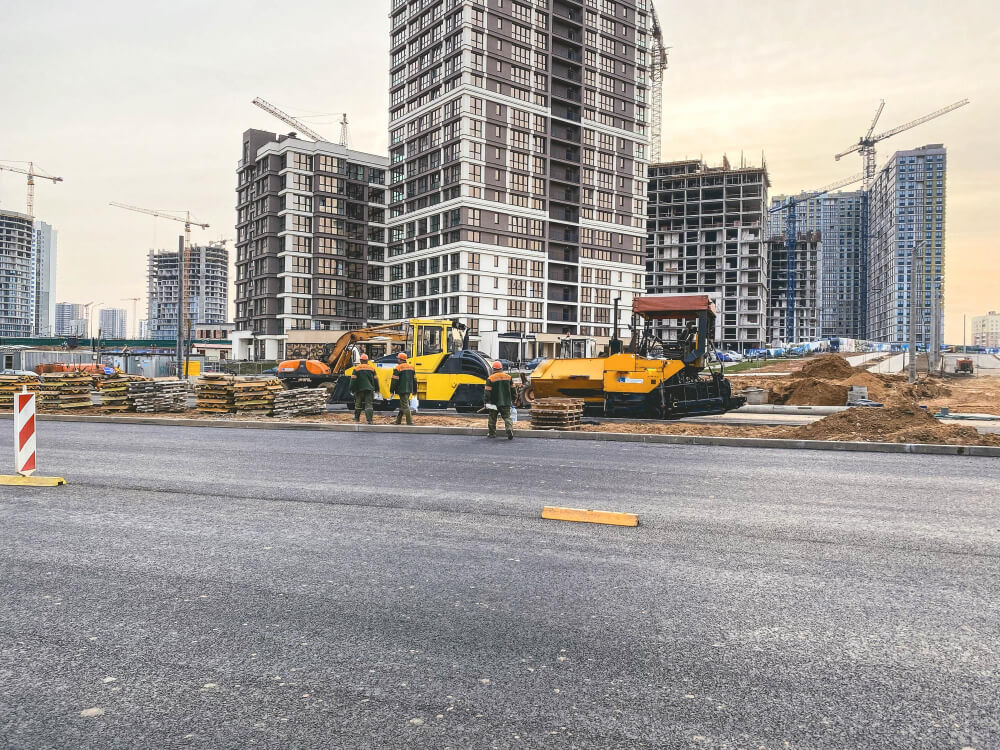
{"x": 183, "y": 271}
{"x": 32, "y": 173}
{"x": 866, "y": 143}
{"x": 302, "y": 127}
{"x": 789, "y": 206}
{"x": 657, "y": 71}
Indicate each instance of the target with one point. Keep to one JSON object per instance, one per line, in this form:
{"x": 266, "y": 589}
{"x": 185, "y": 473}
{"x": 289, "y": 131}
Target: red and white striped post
{"x": 24, "y": 433}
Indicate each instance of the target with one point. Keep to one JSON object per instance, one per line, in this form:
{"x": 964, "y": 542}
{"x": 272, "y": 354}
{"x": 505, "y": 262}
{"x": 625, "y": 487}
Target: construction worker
{"x": 404, "y": 385}
{"x": 499, "y": 392}
{"x": 364, "y": 382}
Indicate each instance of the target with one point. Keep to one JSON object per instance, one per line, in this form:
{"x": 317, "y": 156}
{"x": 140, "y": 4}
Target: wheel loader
{"x": 650, "y": 378}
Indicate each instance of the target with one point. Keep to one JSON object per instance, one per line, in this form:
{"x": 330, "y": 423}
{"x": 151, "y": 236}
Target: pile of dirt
{"x": 878, "y": 390}
{"x": 809, "y": 392}
{"x": 900, "y": 423}
{"x": 825, "y": 366}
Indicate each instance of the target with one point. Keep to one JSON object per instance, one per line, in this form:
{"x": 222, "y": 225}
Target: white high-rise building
{"x": 68, "y": 316}
{"x": 45, "y": 279}
{"x": 113, "y": 323}
{"x": 17, "y": 275}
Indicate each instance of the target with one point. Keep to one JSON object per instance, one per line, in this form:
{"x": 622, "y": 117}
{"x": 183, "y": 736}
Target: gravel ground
{"x": 232, "y": 589}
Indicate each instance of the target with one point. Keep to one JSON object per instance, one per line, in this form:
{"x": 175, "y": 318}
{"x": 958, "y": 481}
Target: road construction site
{"x": 186, "y": 591}
{"x": 805, "y": 400}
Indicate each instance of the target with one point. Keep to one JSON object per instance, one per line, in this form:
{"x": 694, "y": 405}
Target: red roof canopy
{"x": 672, "y": 305}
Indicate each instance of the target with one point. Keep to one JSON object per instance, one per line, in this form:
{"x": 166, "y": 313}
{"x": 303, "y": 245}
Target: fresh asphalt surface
{"x": 240, "y": 588}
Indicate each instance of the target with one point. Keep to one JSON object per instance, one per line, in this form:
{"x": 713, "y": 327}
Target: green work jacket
{"x": 499, "y": 389}
{"x": 364, "y": 378}
{"x": 404, "y": 379}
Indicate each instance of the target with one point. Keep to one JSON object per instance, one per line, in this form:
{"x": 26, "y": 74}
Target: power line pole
{"x": 180, "y": 309}
{"x": 914, "y": 275}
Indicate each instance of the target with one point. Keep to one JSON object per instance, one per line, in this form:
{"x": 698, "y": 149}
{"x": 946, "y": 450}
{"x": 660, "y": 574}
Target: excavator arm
{"x": 340, "y": 356}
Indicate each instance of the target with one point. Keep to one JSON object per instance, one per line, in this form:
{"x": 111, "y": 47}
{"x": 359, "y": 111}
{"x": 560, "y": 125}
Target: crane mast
{"x": 183, "y": 271}
{"x": 791, "y": 240}
{"x": 657, "y": 71}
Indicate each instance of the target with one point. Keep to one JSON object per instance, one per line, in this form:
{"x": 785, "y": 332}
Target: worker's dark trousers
{"x": 404, "y": 409}
{"x": 366, "y": 400}
{"x": 504, "y": 411}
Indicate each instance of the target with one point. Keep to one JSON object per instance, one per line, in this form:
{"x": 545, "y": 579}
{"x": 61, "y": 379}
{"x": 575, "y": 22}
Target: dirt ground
{"x": 824, "y": 381}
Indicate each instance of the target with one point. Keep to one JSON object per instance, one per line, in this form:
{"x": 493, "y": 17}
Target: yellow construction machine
{"x": 449, "y": 374}
{"x": 650, "y": 378}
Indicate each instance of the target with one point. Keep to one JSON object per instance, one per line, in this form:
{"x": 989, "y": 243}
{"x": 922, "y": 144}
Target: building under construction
{"x": 806, "y": 319}
{"x": 707, "y": 230}
{"x": 207, "y": 294}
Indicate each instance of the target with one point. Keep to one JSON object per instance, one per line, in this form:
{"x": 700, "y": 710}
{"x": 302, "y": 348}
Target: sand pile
{"x": 809, "y": 392}
{"x": 900, "y": 423}
{"x": 825, "y": 366}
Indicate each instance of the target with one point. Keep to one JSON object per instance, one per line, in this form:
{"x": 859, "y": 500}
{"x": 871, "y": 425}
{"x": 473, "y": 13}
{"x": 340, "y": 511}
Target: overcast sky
{"x": 145, "y": 103}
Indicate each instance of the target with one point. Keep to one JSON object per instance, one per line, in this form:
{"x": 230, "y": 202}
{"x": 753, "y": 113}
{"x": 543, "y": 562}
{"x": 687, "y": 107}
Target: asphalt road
{"x": 241, "y": 588}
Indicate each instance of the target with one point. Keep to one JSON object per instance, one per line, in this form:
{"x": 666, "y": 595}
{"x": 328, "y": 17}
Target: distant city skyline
{"x": 114, "y": 136}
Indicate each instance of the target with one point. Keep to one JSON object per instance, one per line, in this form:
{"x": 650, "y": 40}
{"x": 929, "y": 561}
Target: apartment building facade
{"x": 518, "y": 148}
{"x": 986, "y": 330}
{"x": 69, "y": 319}
{"x": 311, "y": 240}
{"x": 838, "y": 219}
{"x": 45, "y": 278}
{"x": 906, "y": 241}
{"x": 17, "y": 275}
{"x": 113, "y": 322}
{"x": 707, "y": 233}
{"x": 207, "y": 282}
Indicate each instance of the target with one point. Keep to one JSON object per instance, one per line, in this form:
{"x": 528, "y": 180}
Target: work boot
{"x": 357, "y": 417}
{"x": 399, "y": 419}
{"x": 491, "y": 434}
{"x": 510, "y": 434}
{"x": 409, "y": 421}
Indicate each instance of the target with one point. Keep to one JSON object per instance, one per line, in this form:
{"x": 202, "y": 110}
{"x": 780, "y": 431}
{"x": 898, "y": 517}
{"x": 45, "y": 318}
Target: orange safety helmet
{"x": 497, "y": 365}
{"x": 401, "y": 356}
{"x": 364, "y": 357}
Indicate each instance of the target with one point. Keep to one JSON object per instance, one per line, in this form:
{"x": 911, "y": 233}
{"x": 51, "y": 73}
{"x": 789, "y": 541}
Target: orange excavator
{"x": 312, "y": 373}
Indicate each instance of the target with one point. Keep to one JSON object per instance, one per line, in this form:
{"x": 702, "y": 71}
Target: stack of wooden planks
{"x": 215, "y": 394}
{"x": 255, "y": 395}
{"x": 11, "y": 384}
{"x": 556, "y": 413}
{"x": 225, "y": 394}
{"x": 114, "y": 391}
{"x": 66, "y": 390}
{"x": 299, "y": 402}
{"x": 157, "y": 396}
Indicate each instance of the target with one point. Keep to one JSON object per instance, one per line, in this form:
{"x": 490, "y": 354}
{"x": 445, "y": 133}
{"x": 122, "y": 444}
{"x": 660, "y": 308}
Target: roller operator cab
{"x": 448, "y": 374}
{"x": 651, "y": 377}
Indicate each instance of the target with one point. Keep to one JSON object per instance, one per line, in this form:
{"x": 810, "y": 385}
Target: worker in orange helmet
{"x": 499, "y": 395}
{"x": 364, "y": 383}
{"x": 404, "y": 385}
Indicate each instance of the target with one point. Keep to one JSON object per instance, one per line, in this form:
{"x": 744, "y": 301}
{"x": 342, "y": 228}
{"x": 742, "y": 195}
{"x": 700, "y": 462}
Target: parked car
{"x": 734, "y": 356}
{"x": 531, "y": 364}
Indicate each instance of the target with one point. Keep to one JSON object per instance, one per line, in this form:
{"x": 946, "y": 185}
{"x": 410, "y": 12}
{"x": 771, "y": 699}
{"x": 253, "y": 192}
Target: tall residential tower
{"x": 906, "y": 245}
{"x": 519, "y": 139}
{"x": 310, "y": 243}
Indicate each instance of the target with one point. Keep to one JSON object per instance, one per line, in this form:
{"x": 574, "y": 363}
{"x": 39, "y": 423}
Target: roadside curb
{"x": 982, "y": 451}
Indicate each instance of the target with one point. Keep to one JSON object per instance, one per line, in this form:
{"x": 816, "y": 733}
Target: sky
{"x": 145, "y": 103}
